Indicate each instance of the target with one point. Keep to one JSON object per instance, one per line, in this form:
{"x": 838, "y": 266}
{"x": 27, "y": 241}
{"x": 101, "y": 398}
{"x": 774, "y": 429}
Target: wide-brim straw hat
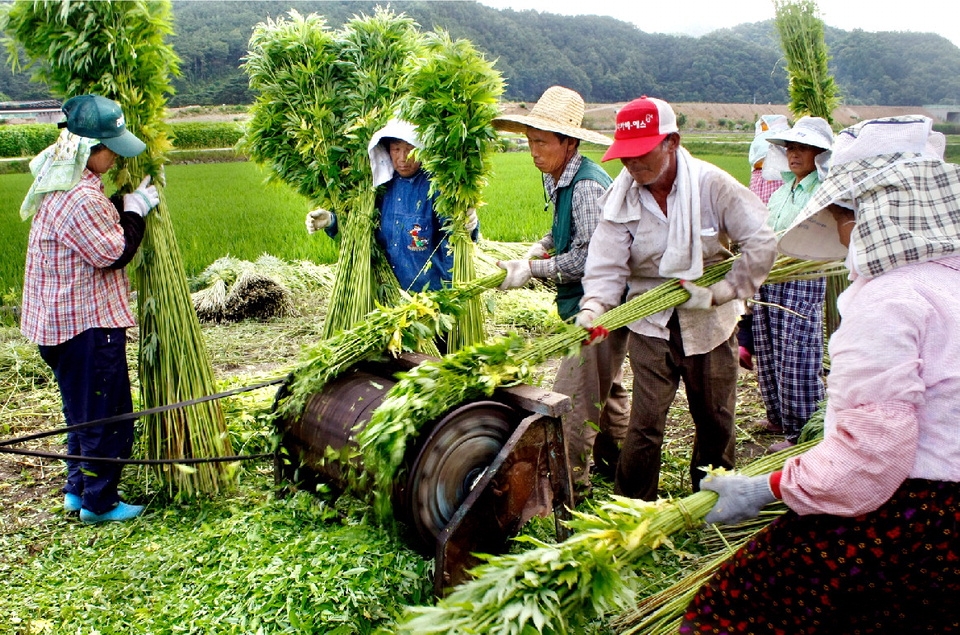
{"x": 558, "y": 110}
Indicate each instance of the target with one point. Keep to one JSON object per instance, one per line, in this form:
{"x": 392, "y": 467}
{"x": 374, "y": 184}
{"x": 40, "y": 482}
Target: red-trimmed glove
{"x": 740, "y": 497}
{"x": 537, "y": 252}
{"x": 588, "y": 313}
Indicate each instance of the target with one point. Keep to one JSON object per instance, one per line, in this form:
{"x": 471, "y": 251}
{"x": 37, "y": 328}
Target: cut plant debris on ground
{"x": 246, "y": 560}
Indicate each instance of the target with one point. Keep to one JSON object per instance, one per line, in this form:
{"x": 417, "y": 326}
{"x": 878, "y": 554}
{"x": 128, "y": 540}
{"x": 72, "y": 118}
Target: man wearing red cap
{"x": 669, "y": 215}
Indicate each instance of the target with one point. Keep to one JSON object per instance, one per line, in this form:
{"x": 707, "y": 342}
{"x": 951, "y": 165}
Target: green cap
{"x": 97, "y": 117}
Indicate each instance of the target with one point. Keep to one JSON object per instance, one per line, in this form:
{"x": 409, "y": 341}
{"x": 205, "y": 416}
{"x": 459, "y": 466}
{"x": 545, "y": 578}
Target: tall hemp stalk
{"x": 322, "y": 95}
{"x": 451, "y": 96}
{"x": 812, "y": 92}
{"x": 117, "y": 49}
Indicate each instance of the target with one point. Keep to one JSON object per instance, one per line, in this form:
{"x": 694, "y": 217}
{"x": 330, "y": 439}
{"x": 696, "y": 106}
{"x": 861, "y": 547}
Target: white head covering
{"x": 380, "y": 163}
{"x": 56, "y": 169}
{"x": 905, "y": 198}
{"x": 766, "y": 126}
{"x": 811, "y": 131}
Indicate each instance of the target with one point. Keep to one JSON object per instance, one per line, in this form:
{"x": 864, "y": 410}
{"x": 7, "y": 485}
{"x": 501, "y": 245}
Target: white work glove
{"x": 143, "y": 199}
{"x": 707, "y": 297}
{"x": 319, "y": 219}
{"x": 740, "y": 497}
{"x": 518, "y": 273}
{"x": 472, "y": 220}
{"x": 584, "y": 319}
{"x": 537, "y": 252}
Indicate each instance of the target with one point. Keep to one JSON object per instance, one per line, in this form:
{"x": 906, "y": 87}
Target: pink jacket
{"x": 893, "y": 393}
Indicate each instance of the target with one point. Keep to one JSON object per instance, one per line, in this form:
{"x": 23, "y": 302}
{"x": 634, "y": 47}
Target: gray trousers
{"x": 710, "y": 380}
{"x": 601, "y": 405}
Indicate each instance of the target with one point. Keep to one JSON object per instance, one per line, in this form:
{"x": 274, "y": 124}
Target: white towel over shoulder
{"x": 683, "y": 256}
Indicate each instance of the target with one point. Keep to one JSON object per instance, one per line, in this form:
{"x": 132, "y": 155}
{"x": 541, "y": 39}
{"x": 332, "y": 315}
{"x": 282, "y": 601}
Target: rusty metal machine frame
{"x": 528, "y": 477}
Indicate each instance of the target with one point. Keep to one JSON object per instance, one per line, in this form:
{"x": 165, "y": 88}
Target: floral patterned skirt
{"x": 894, "y": 570}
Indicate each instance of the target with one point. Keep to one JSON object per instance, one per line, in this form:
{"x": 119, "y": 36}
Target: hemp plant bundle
{"x": 812, "y": 92}
{"x": 451, "y": 96}
{"x": 322, "y": 95}
{"x": 812, "y": 89}
{"x": 117, "y": 49}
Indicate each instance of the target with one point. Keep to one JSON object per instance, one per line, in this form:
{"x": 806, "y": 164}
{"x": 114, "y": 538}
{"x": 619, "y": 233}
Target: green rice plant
{"x": 812, "y": 88}
{"x": 228, "y": 209}
{"x": 118, "y": 50}
{"x": 13, "y": 231}
{"x": 451, "y": 96}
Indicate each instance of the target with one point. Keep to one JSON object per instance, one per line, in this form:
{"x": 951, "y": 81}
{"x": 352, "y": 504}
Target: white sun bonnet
{"x": 380, "y": 163}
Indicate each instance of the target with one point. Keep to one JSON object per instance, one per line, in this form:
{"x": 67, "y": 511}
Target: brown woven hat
{"x": 558, "y": 110}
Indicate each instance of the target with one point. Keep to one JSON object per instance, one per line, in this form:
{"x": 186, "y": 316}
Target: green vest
{"x": 569, "y": 293}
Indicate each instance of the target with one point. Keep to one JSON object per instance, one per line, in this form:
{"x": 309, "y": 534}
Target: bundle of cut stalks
{"x": 451, "y": 96}
{"x": 557, "y": 588}
{"x": 321, "y": 96}
{"x": 232, "y": 289}
{"x": 117, "y": 49}
{"x": 387, "y": 329}
{"x": 812, "y": 88}
{"x": 813, "y": 92}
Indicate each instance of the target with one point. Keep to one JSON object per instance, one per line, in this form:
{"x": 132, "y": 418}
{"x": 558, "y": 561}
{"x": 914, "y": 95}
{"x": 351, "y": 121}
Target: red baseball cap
{"x": 641, "y": 125}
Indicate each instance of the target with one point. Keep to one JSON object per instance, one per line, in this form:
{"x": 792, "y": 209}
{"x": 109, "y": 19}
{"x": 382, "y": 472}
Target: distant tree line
{"x": 606, "y": 60}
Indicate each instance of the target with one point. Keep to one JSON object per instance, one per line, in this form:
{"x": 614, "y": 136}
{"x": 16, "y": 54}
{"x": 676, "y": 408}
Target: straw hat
{"x": 558, "y": 110}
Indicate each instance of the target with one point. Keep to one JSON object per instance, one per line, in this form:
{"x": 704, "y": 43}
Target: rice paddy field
{"x": 248, "y": 561}
{"x": 228, "y": 209}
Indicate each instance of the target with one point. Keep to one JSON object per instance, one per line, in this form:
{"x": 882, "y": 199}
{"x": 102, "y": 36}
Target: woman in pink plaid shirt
{"x": 76, "y": 294}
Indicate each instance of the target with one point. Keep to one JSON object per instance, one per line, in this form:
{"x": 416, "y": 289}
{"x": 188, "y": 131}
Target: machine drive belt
{"x": 4, "y": 444}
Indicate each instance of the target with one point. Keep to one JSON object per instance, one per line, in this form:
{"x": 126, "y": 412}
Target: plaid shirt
{"x": 67, "y": 287}
{"x": 762, "y": 187}
{"x": 570, "y": 265}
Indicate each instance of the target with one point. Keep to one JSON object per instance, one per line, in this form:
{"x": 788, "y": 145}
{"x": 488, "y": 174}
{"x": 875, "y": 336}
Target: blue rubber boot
{"x": 118, "y": 514}
{"x": 71, "y": 503}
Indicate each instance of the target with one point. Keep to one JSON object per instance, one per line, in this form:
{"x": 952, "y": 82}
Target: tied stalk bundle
{"x": 812, "y": 89}
{"x": 813, "y": 92}
{"x": 117, "y": 49}
{"x": 321, "y": 96}
{"x": 555, "y": 589}
{"x": 424, "y": 393}
{"x": 451, "y": 96}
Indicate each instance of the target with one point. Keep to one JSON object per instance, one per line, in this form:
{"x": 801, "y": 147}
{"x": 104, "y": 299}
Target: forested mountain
{"x": 606, "y": 60}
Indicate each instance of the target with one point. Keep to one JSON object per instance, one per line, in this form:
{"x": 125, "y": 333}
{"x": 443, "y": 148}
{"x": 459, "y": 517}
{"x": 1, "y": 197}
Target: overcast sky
{"x": 696, "y": 17}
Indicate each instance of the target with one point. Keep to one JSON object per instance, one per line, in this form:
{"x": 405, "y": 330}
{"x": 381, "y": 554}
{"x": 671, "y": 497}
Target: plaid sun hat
{"x": 905, "y": 198}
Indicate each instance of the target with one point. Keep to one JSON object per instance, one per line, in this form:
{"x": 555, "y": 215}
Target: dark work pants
{"x": 710, "y": 380}
{"x": 91, "y": 372}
